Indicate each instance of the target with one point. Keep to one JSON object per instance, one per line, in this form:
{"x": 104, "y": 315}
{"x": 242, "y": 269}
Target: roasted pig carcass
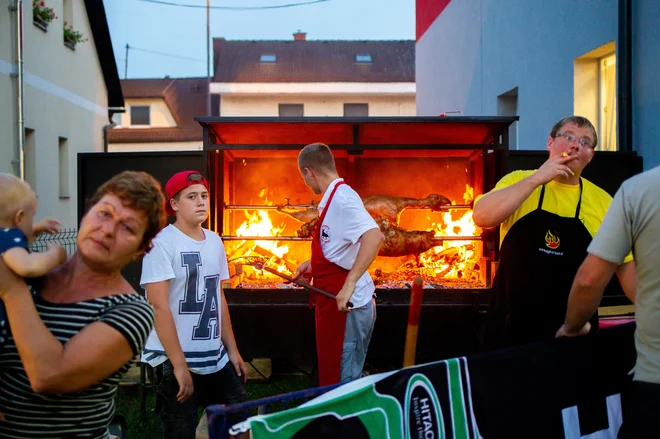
{"x": 379, "y": 206}
{"x": 390, "y": 208}
{"x": 400, "y": 242}
{"x": 307, "y": 229}
{"x": 397, "y": 242}
{"x": 305, "y": 216}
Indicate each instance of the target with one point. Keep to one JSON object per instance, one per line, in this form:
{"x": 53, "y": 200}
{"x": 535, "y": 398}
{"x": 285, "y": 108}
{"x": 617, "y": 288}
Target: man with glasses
{"x": 548, "y": 217}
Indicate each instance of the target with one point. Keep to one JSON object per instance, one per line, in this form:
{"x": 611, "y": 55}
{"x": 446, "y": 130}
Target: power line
{"x": 166, "y": 54}
{"x": 235, "y": 8}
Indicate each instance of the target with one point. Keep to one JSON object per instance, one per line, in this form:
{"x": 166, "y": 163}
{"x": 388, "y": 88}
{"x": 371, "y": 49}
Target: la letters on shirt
{"x": 194, "y": 270}
{"x": 344, "y": 223}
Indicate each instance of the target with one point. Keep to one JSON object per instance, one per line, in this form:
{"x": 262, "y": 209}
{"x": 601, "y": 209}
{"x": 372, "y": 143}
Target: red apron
{"x": 330, "y": 322}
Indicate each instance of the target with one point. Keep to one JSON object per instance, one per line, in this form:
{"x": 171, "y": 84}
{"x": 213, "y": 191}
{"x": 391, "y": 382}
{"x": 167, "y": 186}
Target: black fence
{"x": 66, "y": 238}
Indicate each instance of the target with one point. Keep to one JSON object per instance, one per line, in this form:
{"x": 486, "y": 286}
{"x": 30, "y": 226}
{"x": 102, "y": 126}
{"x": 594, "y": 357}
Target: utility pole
{"x": 208, "y": 57}
{"x": 126, "y": 63}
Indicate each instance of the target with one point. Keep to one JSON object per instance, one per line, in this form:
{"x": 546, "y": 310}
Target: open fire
{"x": 449, "y": 261}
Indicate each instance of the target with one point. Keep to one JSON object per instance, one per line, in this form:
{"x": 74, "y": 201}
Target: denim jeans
{"x": 357, "y": 335}
{"x": 179, "y": 419}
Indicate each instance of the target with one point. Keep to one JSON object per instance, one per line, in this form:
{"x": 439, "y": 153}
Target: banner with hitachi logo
{"x": 567, "y": 388}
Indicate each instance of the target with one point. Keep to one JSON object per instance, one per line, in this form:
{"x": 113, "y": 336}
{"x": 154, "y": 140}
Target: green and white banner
{"x": 565, "y": 389}
{"x": 429, "y": 402}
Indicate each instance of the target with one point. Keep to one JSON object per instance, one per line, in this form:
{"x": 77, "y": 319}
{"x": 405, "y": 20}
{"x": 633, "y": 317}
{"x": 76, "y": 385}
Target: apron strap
{"x": 540, "y": 206}
{"x": 319, "y": 224}
{"x": 577, "y": 210}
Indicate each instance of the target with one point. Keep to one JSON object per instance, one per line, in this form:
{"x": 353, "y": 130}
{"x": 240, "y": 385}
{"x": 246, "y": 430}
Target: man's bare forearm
{"x": 587, "y": 291}
{"x": 370, "y": 243}
{"x": 494, "y": 208}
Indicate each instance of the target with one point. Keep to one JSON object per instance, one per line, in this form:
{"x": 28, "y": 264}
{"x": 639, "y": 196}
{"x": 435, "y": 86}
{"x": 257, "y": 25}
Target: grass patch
{"x": 128, "y": 403}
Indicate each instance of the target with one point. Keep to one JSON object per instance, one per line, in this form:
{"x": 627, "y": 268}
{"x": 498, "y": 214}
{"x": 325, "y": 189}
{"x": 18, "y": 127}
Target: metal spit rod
{"x": 311, "y": 206}
{"x": 257, "y": 207}
{"x": 296, "y": 238}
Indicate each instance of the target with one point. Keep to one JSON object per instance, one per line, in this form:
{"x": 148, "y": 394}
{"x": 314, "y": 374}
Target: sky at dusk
{"x": 180, "y": 32}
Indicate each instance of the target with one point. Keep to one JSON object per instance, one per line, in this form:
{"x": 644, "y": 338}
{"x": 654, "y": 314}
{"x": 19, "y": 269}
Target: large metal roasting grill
{"x": 418, "y": 179}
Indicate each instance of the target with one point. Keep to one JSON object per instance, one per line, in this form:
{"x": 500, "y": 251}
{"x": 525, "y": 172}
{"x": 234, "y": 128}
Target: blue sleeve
{"x": 10, "y": 238}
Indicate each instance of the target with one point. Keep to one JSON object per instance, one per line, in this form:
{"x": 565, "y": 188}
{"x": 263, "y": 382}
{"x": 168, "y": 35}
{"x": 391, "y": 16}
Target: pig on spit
{"x": 397, "y": 242}
{"x": 379, "y": 206}
{"x": 386, "y": 210}
{"x": 400, "y": 242}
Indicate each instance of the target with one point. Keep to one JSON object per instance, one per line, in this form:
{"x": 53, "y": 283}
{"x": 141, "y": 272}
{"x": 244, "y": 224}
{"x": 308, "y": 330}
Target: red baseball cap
{"x": 179, "y": 182}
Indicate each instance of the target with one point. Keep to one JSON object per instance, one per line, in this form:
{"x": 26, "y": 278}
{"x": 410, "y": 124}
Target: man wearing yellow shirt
{"x": 548, "y": 217}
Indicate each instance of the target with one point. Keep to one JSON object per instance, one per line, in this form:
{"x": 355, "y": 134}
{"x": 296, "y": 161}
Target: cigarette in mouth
{"x": 563, "y": 154}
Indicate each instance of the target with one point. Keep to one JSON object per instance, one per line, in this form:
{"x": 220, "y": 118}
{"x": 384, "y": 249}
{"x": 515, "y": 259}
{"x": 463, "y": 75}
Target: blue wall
{"x": 477, "y": 50}
{"x": 646, "y": 81}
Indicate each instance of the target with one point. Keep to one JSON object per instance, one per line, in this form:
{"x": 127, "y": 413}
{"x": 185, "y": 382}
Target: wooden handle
{"x": 413, "y": 322}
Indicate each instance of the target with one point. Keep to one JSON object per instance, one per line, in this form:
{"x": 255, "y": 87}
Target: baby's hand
{"x": 46, "y": 225}
{"x": 58, "y": 252}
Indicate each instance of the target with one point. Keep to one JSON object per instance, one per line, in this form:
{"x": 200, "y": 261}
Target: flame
{"x": 259, "y": 223}
{"x": 454, "y": 258}
{"x": 551, "y": 240}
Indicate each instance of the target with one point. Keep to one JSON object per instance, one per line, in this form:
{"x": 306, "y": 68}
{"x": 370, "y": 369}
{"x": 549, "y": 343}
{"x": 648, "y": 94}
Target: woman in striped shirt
{"x": 83, "y": 325}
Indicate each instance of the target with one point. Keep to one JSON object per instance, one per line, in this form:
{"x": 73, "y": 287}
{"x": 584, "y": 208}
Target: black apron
{"x": 539, "y": 258}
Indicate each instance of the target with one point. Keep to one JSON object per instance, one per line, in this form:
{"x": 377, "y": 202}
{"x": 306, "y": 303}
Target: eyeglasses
{"x": 584, "y": 142}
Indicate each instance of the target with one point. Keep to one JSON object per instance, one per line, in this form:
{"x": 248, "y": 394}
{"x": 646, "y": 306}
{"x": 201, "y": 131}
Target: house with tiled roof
{"x": 159, "y": 115}
{"x": 296, "y": 78}
{"x": 314, "y": 78}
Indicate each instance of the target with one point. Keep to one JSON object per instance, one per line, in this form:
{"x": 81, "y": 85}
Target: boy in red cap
{"x": 192, "y": 348}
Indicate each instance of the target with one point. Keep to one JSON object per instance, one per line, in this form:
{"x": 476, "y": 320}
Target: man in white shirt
{"x": 191, "y": 349}
{"x": 344, "y": 245}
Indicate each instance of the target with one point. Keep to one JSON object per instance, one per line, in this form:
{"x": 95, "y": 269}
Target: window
{"x": 268, "y": 57}
{"x": 67, "y": 9}
{"x": 140, "y": 115}
{"x": 607, "y": 91}
{"x": 63, "y": 166}
{"x": 291, "y": 110}
{"x": 30, "y": 157}
{"x": 363, "y": 58}
{"x": 356, "y": 110}
{"x": 594, "y": 86}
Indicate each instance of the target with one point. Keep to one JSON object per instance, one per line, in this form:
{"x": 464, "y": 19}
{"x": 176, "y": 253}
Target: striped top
{"x": 84, "y": 414}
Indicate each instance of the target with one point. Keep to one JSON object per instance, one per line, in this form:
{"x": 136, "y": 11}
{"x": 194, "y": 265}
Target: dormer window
{"x": 140, "y": 115}
{"x": 268, "y": 57}
{"x": 363, "y": 58}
